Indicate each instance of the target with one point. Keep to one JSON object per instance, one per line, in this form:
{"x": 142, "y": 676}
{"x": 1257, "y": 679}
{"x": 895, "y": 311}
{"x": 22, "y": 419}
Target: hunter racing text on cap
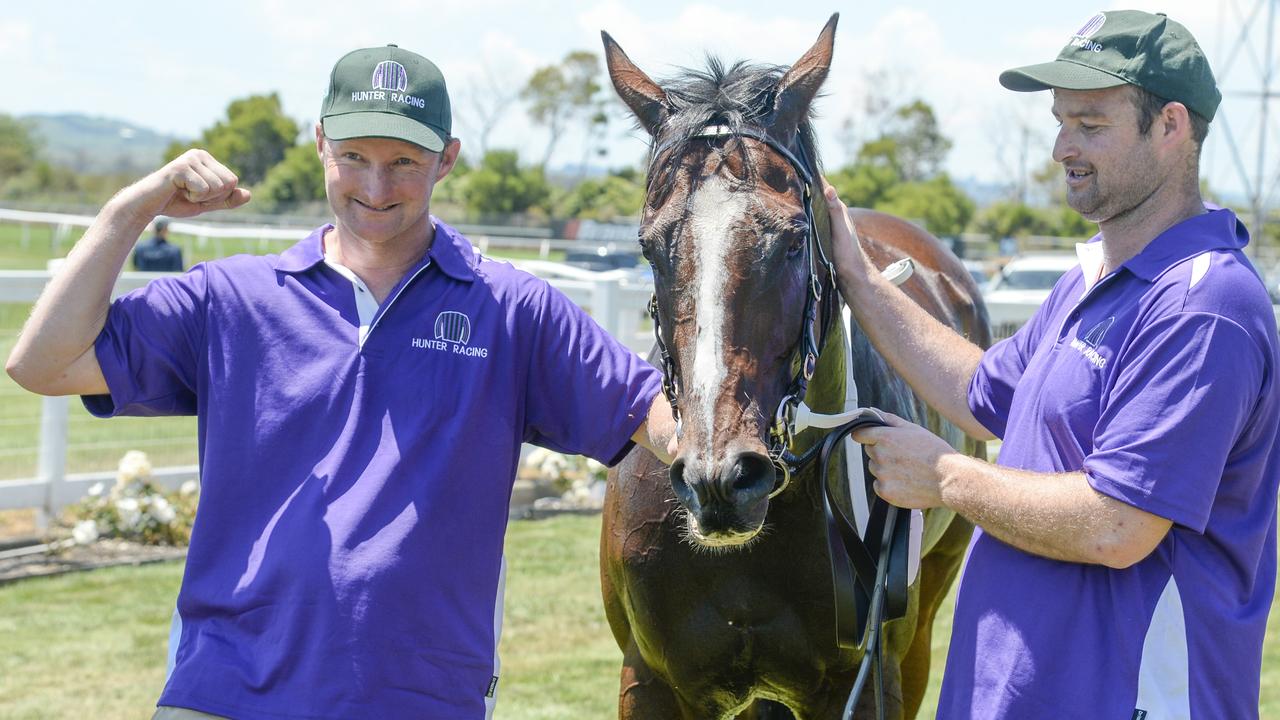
{"x": 387, "y": 92}
{"x": 1128, "y": 47}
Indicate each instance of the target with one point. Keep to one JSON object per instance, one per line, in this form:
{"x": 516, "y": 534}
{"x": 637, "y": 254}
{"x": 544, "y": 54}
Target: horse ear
{"x": 645, "y": 98}
{"x": 799, "y": 86}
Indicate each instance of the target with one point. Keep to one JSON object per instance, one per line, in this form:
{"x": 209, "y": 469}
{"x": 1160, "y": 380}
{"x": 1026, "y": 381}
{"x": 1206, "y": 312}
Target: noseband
{"x": 782, "y": 432}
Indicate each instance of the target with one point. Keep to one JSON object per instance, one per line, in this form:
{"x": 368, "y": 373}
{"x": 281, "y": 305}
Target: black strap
{"x": 869, "y": 572}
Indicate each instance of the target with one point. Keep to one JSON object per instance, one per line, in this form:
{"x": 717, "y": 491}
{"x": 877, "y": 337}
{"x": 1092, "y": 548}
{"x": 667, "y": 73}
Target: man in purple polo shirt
{"x": 362, "y": 401}
{"x": 1124, "y": 561}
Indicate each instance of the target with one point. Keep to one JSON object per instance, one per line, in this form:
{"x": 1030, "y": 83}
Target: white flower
{"x": 85, "y": 532}
{"x": 96, "y": 489}
{"x": 161, "y": 510}
{"x": 133, "y": 466}
{"x": 190, "y": 487}
{"x": 129, "y": 512}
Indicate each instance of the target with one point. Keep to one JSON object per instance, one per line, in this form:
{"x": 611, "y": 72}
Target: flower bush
{"x": 564, "y": 472}
{"x": 135, "y": 508}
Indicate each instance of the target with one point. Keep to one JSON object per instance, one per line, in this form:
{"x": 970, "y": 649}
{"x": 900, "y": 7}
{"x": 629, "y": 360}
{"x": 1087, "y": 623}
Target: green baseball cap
{"x": 1128, "y": 47}
{"x": 387, "y": 92}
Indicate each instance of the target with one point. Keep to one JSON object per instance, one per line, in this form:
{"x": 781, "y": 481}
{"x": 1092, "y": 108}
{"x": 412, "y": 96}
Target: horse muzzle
{"x": 727, "y": 500}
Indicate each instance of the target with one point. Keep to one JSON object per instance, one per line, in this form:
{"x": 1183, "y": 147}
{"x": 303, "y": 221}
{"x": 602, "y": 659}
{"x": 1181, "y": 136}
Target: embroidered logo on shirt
{"x": 453, "y": 327}
{"x": 493, "y": 689}
{"x": 1139, "y": 714}
{"x": 1095, "y": 334}
{"x": 452, "y": 333}
{"x": 1088, "y": 345}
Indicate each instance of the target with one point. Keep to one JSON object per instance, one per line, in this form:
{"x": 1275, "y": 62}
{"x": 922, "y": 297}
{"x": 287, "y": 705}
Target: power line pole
{"x": 1259, "y": 188}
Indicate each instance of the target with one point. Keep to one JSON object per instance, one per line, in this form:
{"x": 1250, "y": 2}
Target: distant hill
{"x": 97, "y": 144}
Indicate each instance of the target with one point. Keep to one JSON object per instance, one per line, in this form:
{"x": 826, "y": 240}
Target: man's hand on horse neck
{"x": 657, "y": 433}
{"x": 935, "y": 360}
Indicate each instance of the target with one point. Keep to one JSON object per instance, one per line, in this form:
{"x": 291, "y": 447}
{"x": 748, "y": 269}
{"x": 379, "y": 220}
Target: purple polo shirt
{"x": 346, "y": 557}
{"x": 1159, "y": 383}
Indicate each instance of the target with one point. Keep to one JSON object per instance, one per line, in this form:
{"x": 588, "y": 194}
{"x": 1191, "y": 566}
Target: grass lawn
{"x": 93, "y": 644}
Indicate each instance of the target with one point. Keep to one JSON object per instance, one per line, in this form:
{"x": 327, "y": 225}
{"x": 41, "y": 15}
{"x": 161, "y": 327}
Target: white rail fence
{"x": 616, "y": 299}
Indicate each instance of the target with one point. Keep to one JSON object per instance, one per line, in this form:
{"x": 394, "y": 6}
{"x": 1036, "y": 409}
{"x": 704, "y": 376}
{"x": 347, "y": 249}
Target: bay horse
{"x": 716, "y": 574}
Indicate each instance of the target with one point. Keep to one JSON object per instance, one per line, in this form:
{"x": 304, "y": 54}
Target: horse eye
{"x": 797, "y": 242}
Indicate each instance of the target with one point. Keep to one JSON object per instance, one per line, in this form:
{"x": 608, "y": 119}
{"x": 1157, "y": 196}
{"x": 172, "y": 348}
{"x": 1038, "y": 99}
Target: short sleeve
{"x": 149, "y": 349}
{"x": 587, "y": 393}
{"x": 996, "y": 377}
{"x": 1186, "y": 388}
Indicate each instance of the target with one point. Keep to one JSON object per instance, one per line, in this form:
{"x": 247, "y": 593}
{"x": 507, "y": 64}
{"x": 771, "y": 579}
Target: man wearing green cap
{"x": 1124, "y": 561}
{"x": 362, "y": 399}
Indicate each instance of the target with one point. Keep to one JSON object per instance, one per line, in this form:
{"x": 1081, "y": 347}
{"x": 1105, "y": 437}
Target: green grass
{"x": 93, "y": 644}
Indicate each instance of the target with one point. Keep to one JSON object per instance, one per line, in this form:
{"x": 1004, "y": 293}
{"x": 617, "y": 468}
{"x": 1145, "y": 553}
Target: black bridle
{"x": 808, "y": 345}
{"x": 868, "y": 590}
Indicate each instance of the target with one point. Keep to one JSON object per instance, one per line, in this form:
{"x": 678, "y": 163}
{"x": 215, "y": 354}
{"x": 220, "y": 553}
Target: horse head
{"x": 731, "y": 225}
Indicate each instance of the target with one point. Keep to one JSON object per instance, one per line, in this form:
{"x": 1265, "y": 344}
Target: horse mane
{"x": 741, "y": 95}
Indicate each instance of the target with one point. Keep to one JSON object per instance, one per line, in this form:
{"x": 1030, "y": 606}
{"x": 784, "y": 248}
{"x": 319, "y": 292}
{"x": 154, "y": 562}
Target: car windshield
{"x": 1030, "y": 279}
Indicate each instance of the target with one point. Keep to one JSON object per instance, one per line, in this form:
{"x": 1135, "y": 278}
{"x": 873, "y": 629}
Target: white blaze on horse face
{"x": 714, "y": 210}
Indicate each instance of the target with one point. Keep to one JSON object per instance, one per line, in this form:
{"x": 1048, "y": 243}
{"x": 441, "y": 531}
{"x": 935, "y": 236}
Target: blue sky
{"x": 174, "y": 68}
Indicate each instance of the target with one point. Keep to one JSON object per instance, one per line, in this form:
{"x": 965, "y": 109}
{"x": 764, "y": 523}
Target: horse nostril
{"x": 680, "y": 485}
{"x": 749, "y": 476}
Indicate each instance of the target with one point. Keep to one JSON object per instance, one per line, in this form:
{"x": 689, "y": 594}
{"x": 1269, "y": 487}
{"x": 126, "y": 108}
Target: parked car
{"x": 1020, "y": 287}
{"x": 978, "y": 271}
{"x": 601, "y": 260}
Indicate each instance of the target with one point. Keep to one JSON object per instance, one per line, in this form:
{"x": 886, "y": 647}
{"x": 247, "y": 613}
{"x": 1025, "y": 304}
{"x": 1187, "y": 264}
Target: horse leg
{"x": 938, "y": 569}
{"x": 643, "y": 694}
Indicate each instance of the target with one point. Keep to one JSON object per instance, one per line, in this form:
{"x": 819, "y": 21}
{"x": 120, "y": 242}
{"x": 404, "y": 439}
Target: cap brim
{"x": 387, "y": 125}
{"x": 1058, "y": 74}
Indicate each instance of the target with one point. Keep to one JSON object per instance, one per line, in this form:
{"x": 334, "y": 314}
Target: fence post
{"x": 52, "y": 467}
{"x": 605, "y": 299}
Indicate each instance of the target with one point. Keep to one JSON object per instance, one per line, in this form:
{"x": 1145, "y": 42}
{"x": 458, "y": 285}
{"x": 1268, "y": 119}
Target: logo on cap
{"x": 390, "y": 75}
{"x": 1081, "y": 38}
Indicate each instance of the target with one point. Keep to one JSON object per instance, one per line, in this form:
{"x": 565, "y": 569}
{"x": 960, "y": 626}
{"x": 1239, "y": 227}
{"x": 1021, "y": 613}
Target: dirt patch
{"x": 103, "y": 553}
{"x": 17, "y": 524}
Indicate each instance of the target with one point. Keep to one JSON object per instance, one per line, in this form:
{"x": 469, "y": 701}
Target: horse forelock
{"x": 741, "y": 95}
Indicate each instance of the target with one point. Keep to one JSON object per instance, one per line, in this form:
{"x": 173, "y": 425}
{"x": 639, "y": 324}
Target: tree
{"x": 295, "y": 180}
{"x": 482, "y": 103}
{"x": 499, "y": 186}
{"x": 943, "y": 208}
{"x": 557, "y": 94}
{"x": 618, "y": 194}
{"x": 899, "y": 171}
{"x": 19, "y": 149}
{"x": 920, "y": 148}
{"x": 253, "y": 138}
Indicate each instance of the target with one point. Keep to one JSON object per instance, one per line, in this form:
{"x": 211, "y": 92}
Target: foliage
{"x": 618, "y": 194}
{"x": 915, "y": 142}
{"x": 1014, "y": 219}
{"x": 558, "y": 94}
{"x": 900, "y": 172}
{"x": 943, "y": 208}
{"x": 865, "y": 183}
{"x": 295, "y": 180}
{"x": 254, "y": 137}
{"x": 135, "y": 508}
{"x": 499, "y": 186}
{"x": 19, "y": 149}
{"x": 564, "y": 472}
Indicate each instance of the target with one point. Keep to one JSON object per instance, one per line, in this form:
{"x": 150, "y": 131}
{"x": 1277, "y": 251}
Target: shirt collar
{"x": 451, "y": 251}
{"x": 1217, "y": 229}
